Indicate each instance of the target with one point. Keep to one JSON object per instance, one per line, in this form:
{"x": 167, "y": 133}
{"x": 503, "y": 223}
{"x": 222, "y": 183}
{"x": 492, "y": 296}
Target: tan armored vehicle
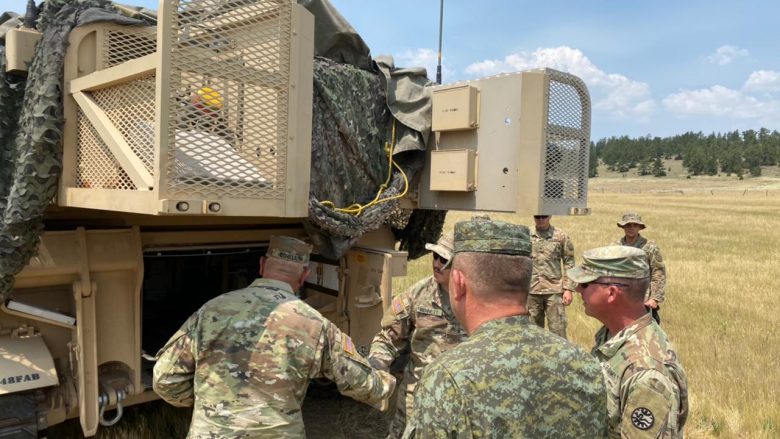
{"x": 188, "y": 144}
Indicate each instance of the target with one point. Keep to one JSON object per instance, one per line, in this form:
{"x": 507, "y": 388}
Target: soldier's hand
{"x": 567, "y": 297}
{"x": 652, "y": 304}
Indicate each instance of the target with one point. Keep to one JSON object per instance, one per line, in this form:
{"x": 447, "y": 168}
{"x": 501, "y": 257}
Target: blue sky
{"x": 655, "y": 67}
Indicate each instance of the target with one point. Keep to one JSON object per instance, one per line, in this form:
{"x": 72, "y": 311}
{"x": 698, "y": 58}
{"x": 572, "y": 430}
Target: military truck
{"x": 187, "y": 144}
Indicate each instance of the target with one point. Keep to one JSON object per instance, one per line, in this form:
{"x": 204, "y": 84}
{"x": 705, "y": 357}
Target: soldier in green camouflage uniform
{"x": 647, "y": 387}
{"x": 631, "y": 223}
{"x": 510, "y": 378}
{"x": 244, "y": 360}
{"x": 419, "y": 320}
{"x": 551, "y": 291}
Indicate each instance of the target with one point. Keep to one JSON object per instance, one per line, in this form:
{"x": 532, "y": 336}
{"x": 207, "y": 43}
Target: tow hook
{"x": 103, "y": 400}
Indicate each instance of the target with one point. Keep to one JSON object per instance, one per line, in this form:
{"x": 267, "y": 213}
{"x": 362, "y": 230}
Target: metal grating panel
{"x": 126, "y": 43}
{"x": 95, "y": 165}
{"x": 227, "y": 130}
{"x": 131, "y": 108}
{"x": 568, "y": 140}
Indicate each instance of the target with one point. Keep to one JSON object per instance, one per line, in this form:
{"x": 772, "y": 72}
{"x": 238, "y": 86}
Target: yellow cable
{"x": 356, "y": 209}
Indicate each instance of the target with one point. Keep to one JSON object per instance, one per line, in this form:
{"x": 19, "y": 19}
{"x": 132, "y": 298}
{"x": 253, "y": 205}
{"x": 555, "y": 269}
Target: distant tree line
{"x": 733, "y": 152}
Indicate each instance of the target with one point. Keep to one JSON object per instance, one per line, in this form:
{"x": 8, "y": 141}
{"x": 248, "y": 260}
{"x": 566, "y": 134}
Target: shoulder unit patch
{"x": 642, "y": 418}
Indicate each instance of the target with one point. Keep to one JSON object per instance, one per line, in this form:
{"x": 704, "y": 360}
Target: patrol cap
{"x": 443, "y": 246}
{"x": 611, "y": 261}
{"x": 631, "y": 218}
{"x": 490, "y": 236}
{"x": 290, "y": 249}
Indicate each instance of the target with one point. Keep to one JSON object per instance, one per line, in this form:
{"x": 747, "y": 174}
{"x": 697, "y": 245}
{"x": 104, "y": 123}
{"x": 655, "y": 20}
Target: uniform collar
{"x": 616, "y": 342}
{"x": 544, "y": 233}
{"x": 441, "y": 297}
{"x": 441, "y": 300}
{"x": 511, "y": 320}
{"x": 640, "y": 241}
{"x": 284, "y": 286}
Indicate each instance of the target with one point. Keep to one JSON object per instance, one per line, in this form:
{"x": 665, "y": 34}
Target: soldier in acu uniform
{"x": 510, "y": 378}
{"x": 421, "y": 321}
{"x": 243, "y": 361}
{"x": 551, "y": 290}
{"x": 631, "y": 223}
{"x": 646, "y": 384}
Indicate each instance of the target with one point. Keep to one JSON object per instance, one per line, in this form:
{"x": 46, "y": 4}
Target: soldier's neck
{"x": 631, "y": 241}
{"x": 624, "y": 320}
{"x": 482, "y": 314}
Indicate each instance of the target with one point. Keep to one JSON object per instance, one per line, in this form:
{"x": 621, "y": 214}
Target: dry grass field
{"x": 720, "y": 238}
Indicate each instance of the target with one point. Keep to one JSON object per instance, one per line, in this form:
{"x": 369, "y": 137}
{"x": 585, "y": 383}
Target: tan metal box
{"x": 532, "y": 141}
{"x": 455, "y": 108}
{"x": 453, "y": 170}
{"x": 207, "y": 114}
{"x": 20, "y": 48}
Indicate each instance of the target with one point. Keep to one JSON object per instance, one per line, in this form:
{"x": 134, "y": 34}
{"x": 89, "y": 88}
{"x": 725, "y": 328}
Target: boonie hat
{"x": 290, "y": 249}
{"x": 631, "y": 218}
{"x": 611, "y": 261}
{"x": 489, "y": 236}
{"x": 443, "y": 246}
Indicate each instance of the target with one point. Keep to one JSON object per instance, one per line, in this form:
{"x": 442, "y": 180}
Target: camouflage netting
{"x": 351, "y": 126}
{"x": 31, "y": 125}
{"x": 356, "y": 100}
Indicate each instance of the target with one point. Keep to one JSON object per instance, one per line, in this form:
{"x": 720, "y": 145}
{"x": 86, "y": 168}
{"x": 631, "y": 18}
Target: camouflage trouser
{"x": 550, "y": 305}
{"x": 403, "y": 406}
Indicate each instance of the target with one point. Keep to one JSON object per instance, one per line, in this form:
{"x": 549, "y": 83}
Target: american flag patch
{"x": 347, "y": 345}
{"x": 398, "y": 306}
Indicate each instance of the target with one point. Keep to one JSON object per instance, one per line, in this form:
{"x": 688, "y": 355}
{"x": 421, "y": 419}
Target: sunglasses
{"x": 538, "y": 217}
{"x": 440, "y": 258}
{"x": 587, "y": 284}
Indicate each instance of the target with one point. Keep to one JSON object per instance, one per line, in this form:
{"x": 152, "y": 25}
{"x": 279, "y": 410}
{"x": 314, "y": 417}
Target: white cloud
{"x": 487, "y": 68}
{"x": 721, "y": 101}
{"x": 613, "y": 93}
{"x": 726, "y": 54}
{"x": 424, "y": 58}
{"x": 763, "y": 80}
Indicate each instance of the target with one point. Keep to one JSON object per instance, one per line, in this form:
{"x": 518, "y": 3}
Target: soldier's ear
{"x": 612, "y": 293}
{"x": 304, "y": 275}
{"x": 457, "y": 284}
{"x": 262, "y": 265}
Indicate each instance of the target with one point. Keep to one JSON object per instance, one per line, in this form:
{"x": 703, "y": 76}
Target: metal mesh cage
{"x": 227, "y": 132}
{"x": 126, "y": 43}
{"x": 96, "y": 166}
{"x": 568, "y": 140}
{"x": 130, "y": 108}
